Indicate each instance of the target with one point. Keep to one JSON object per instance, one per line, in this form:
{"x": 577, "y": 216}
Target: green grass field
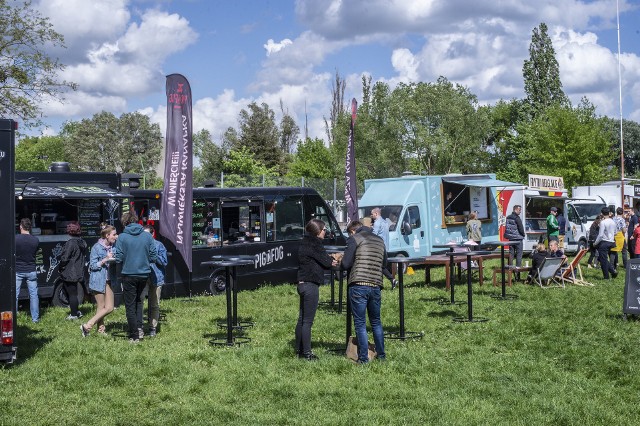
{"x": 550, "y": 357}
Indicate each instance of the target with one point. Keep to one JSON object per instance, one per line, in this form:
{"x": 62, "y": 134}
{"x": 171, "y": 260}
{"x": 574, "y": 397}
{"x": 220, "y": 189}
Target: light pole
{"x": 620, "y": 98}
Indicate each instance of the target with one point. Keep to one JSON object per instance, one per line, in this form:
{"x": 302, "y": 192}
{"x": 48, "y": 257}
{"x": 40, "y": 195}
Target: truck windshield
{"x": 591, "y": 211}
{"x": 389, "y": 213}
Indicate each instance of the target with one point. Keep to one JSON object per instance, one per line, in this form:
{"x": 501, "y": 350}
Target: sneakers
{"x": 152, "y": 332}
{"x": 140, "y": 334}
{"x": 134, "y": 341}
{"x": 309, "y": 357}
{"x": 614, "y": 274}
{"x": 72, "y": 317}
{"x": 394, "y": 283}
{"x": 84, "y": 331}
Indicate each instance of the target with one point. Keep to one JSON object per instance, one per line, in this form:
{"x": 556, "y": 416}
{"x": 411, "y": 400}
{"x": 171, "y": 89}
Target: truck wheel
{"x": 218, "y": 284}
{"x": 61, "y": 299}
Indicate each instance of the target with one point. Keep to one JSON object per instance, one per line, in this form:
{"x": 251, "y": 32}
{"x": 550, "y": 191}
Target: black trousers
{"x": 309, "y": 295}
{"x": 132, "y": 288}
{"x": 604, "y": 249}
{"x": 72, "y": 294}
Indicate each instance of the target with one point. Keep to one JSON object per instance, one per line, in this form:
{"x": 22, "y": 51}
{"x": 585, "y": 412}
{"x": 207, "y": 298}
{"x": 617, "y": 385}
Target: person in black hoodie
{"x": 313, "y": 260}
{"x": 72, "y": 266}
{"x": 537, "y": 256}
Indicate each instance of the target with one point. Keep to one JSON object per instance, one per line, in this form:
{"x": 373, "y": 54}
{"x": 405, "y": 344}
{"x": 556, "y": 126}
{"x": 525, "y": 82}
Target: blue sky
{"x": 236, "y": 52}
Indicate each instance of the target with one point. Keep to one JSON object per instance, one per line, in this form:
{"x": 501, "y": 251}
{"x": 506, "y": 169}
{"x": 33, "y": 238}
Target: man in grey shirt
{"x": 605, "y": 242}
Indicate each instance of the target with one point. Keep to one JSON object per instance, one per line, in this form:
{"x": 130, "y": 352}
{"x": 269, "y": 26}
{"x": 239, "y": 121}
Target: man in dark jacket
{"x": 364, "y": 258}
{"x": 136, "y": 251}
{"x": 72, "y": 267}
{"x": 514, "y": 231}
{"x": 631, "y": 242}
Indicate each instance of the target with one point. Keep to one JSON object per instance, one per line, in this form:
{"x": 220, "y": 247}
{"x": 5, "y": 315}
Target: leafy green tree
{"x": 289, "y": 132}
{"x": 210, "y": 156}
{"x": 440, "y": 126}
{"x": 27, "y": 74}
{"x": 37, "y": 153}
{"x": 568, "y": 142}
{"x": 542, "y": 73}
{"x": 259, "y": 133}
{"x": 313, "y": 160}
{"x": 241, "y": 168}
{"x": 631, "y": 140}
{"x": 129, "y": 144}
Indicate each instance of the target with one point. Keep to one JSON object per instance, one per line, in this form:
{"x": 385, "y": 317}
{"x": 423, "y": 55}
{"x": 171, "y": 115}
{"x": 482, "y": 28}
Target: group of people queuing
{"x": 613, "y": 236}
{"x": 365, "y": 260}
{"x": 143, "y": 260}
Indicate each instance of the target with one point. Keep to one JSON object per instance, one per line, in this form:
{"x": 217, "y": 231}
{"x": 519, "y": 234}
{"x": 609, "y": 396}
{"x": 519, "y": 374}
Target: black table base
{"x": 408, "y": 335}
{"x": 239, "y": 325}
{"x": 234, "y": 341}
{"x": 503, "y": 295}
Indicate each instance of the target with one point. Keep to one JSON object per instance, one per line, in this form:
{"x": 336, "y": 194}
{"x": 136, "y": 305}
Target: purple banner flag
{"x": 177, "y": 194}
{"x": 350, "y": 184}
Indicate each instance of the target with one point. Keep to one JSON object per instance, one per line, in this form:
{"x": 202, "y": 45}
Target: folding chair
{"x": 547, "y": 273}
{"x": 568, "y": 273}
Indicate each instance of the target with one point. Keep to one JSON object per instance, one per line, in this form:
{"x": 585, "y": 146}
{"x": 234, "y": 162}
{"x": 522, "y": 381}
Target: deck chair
{"x": 572, "y": 272}
{"x": 545, "y": 277}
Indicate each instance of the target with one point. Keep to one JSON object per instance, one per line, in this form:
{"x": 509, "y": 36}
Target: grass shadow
{"x": 29, "y": 341}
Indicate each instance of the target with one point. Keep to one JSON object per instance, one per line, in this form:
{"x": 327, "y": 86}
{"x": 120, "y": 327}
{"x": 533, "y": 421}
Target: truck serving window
{"x": 459, "y": 200}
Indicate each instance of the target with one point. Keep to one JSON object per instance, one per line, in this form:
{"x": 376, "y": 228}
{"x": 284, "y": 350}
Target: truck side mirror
{"x": 406, "y": 228}
{"x": 584, "y": 219}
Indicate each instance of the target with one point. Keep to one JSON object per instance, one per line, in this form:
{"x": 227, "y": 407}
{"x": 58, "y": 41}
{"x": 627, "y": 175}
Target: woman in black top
{"x": 538, "y": 256}
{"x": 313, "y": 260}
{"x": 72, "y": 267}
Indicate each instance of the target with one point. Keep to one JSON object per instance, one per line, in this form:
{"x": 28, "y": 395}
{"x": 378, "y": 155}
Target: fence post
{"x": 335, "y": 183}
{"x": 302, "y": 181}
{"x": 221, "y": 179}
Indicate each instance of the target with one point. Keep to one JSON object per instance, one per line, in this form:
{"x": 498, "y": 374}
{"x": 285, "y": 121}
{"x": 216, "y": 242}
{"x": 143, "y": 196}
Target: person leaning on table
{"x": 313, "y": 260}
{"x": 364, "y": 258}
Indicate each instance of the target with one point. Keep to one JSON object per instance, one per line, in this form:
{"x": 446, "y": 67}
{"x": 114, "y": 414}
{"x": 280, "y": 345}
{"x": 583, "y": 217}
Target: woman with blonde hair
{"x": 100, "y": 280}
{"x": 474, "y": 228}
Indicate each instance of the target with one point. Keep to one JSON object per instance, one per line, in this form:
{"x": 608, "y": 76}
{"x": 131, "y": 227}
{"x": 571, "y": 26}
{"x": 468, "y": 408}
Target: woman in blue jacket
{"x": 100, "y": 279}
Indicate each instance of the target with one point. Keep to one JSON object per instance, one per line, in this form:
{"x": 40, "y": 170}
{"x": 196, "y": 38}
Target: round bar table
{"x": 470, "y": 317}
{"x": 452, "y": 254}
{"x": 402, "y": 334}
{"x": 504, "y": 295}
{"x": 335, "y": 270}
{"x": 230, "y": 263}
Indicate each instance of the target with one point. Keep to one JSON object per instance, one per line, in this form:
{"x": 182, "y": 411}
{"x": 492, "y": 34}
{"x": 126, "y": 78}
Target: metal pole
{"x": 620, "y": 94}
{"x": 221, "y": 179}
{"x": 335, "y": 203}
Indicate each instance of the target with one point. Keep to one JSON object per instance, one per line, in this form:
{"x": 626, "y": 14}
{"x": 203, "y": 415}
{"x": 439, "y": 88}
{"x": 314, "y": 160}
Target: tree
{"x": 241, "y": 168}
{"x": 129, "y": 144}
{"x": 27, "y": 74}
{"x": 542, "y": 74}
{"x": 259, "y": 133}
{"x": 337, "y": 107}
{"x": 210, "y": 156}
{"x": 631, "y": 140}
{"x": 37, "y": 153}
{"x": 312, "y": 160}
{"x": 567, "y": 142}
{"x": 289, "y": 131}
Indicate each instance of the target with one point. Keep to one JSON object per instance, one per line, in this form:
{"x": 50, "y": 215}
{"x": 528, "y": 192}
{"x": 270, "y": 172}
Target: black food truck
{"x": 7, "y": 248}
{"x": 265, "y": 222}
{"x": 53, "y": 199}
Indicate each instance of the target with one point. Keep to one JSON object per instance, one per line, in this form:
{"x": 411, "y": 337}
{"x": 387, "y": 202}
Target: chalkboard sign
{"x": 90, "y": 216}
{"x": 632, "y": 288}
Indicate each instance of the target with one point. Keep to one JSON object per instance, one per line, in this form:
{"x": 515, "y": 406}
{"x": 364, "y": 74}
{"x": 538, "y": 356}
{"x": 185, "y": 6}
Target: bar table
{"x": 470, "y": 317}
{"x": 504, "y": 295}
{"x": 402, "y": 334}
{"x": 340, "y": 272}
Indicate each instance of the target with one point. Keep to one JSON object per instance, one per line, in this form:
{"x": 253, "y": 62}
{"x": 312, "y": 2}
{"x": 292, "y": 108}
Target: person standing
{"x": 72, "y": 264}
{"x": 474, "y": 228}
{"x": 605, "y": 241}
{"x": 26, "y": 249}
{"x": 100, "y": 279}
{"x": 562, "y": 228}
{"x": 364, "y": 258}
{"x": 619, "y": 239}
{"x": 156, "y": 281}
{"x": 631, "y": 240}
{"x": 135, "y": 250}
{"x": 381, "y": 229}
{"x": 314, "y": 261}
{"x": 552, "y": 225}
{"x": 514, "y": 231}
{"x": 594, "y": 230}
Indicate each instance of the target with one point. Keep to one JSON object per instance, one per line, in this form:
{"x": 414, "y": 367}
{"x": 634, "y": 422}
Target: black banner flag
{"x": 350, "y": 184}
{"x": 177, "y": 194}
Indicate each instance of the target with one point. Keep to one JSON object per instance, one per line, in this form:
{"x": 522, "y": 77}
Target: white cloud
{"x": 272, "y": 47}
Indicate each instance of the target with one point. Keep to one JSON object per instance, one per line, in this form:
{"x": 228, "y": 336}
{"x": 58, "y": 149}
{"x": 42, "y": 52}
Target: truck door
{"x": 413, "y": 232}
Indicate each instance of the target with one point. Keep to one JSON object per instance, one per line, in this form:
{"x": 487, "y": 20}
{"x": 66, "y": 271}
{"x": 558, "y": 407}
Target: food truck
{"x": 8, "y": 349}
{"x": 542, "y": 193}
{"x": 53, "y": 199}
{"x": 426, "y": 211}
{"x": 264, "y": 222}
{"x": 611, "y": 193}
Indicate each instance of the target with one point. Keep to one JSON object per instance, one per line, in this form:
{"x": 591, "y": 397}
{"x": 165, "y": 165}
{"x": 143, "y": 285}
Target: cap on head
{"x": 554, "y": 209}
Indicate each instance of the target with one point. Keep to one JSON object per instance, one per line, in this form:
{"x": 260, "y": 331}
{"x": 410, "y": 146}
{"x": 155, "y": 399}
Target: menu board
{"x": 631, "y": 302}
{"x": 90, "y": 216}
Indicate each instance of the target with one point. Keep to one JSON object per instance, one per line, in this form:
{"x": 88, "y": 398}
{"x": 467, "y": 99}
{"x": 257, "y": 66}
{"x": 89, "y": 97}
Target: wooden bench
{"x": 509, "y": 271}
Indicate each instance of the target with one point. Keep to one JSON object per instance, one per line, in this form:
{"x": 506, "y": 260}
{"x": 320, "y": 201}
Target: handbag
{"x": 352, "y": 350}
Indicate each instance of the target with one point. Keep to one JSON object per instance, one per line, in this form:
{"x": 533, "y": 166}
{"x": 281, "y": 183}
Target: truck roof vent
{"x": 59, "y": 167}
{"x": 407, "y": 173}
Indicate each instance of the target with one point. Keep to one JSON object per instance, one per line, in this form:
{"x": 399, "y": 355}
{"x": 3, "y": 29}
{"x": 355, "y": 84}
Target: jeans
{"x": 153, "y": 311}
{"x": 603, "y": 256}
{"x": 365, "y": 299}
{"x": 132, "y": 288}
{"x": 309, "y": 295}
{"x": 32, "y": 285}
